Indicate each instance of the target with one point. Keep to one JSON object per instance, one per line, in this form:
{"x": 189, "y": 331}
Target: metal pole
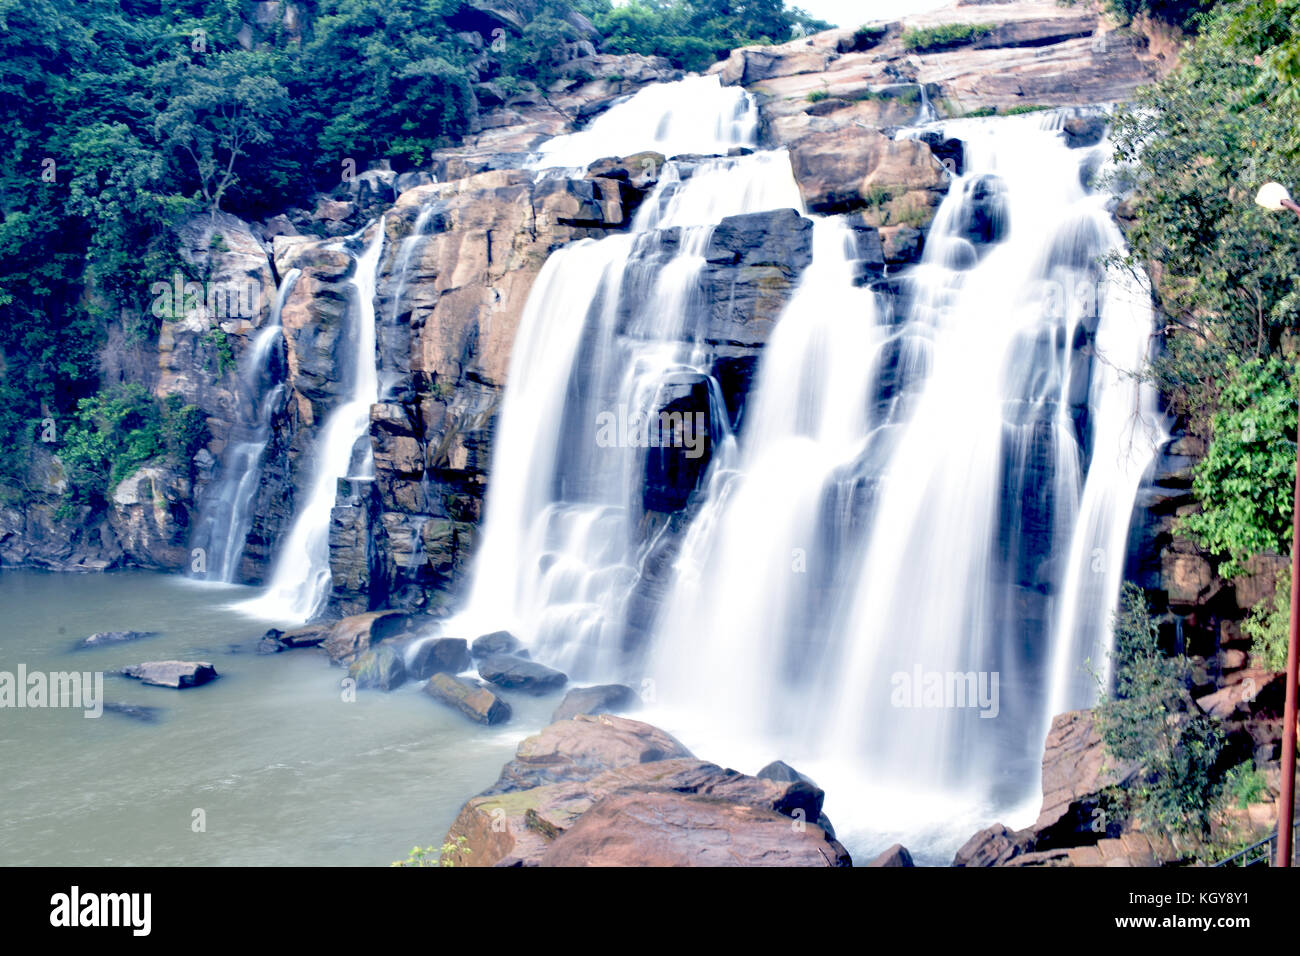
{"x": 1286, "y": 802}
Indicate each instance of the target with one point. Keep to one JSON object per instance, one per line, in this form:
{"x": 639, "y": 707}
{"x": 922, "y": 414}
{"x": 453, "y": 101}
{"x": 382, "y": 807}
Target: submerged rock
{"x": 442, "y": 655}
{"x": 601, "y": 699}
{"x": 176, "y": 674}
{"x": 515, "y": 673}
{"x": 140, "y": 712}
{"x": 473, "y": 700}
{"x": 381, "y": 668}
{"x": 108, "y": 638}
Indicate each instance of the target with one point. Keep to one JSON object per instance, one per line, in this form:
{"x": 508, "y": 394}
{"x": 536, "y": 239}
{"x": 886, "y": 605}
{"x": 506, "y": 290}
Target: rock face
{"x": 176, "y": 674}
{"x": 1073, "y": 828}
{"x": 607, "y": 791}
{"x": 473, "y": 700}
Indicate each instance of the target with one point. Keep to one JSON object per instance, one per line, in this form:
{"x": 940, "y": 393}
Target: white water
{"x": 913, "y": 493}
{"x": 300, "y": 584}
{"x": 223, "y": 526}
{"x": 694, "y": 115}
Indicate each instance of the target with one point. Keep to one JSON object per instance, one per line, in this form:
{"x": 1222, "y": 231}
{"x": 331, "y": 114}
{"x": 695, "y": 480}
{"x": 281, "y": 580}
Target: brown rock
{"x": 176, "y": 674}
{"x": 1076, "y": 768}
{"x": 356, "y": 634}
{"x": 474, "y": 701}
{"x": 583, "y": 747}
{"x": 671, "y": 829}
{"x": 896, "y": 855}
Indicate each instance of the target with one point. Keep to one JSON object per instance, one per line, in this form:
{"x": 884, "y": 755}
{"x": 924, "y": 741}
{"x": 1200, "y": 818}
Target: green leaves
{"x": 1151, "y": 721}
{"x": 1245, "y": 481}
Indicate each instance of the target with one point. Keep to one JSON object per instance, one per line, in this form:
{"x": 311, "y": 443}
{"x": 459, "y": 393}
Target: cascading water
{"x": 300, "y": 584}
{"x": 611, "y": 328}
{"x": 226, "y": 517}
{"x": 914, "y": 506}
{"x": 695, "y": 115}
{"x": 968, "y": 528}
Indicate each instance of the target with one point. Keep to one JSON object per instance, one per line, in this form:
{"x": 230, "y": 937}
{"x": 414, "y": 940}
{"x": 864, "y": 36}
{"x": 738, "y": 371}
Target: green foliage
{"x": 1185, "y": 14}
{"x": 1269, "y": 625}
{"x": 1150, "y": 721}
{"x": 445, "y": 855}
{"x": 945, "y": 36}
{"x": 816, "y": 96}
{"x": 1245, "y": 482}
{"x": 1244, "y": 785}
{"x": 867, "y": 36}
{"x": 693, "y": 34}
{"x": 121, "y": 429}
{"x": 220, "y": 341}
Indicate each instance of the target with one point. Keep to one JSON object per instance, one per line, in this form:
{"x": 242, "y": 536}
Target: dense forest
{"x": 128, "y": 116}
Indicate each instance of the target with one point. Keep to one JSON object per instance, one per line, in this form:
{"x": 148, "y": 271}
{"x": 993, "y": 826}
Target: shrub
{"x": 945, "y": 37}
{"x": 1149, "y": 719}
{"x": 1268, "y": 625}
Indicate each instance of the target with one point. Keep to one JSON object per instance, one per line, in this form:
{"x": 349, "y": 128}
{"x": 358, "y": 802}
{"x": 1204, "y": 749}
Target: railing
{"x": 1264, "y": 852}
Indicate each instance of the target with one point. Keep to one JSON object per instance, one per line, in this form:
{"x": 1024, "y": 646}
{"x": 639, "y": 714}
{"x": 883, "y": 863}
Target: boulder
{"x": 498, "y": 642}
{"x": 896, "y": 855}
{"x": 842, "y": 170}
{"x": 351, "y": 637}
{"x": 581, "y": 748}
{"x": 108, "y": 638}
{"x": 381, "y": 668}
{"x": 1084, "y": 130}
{"x": 177, "y": 674}
{"x": 441, "y": 655}
{"x": 1076, "y": 768}
{"x": 672, "y": 829}
{"x": 309, "y": 635}
{"x": 516, "y": 673}
{"x": 575, "y": 766}
{"x": 472, "y": 699}
{"x": 601, "y": 699}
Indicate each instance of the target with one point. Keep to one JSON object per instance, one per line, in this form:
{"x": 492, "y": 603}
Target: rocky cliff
{"x": 464, "y": 241}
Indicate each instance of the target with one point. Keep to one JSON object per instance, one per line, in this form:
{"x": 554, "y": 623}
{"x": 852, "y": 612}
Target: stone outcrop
{"x": 606, "y": 791}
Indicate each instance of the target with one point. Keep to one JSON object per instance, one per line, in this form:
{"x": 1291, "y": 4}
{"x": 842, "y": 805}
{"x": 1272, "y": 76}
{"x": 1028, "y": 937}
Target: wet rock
{"x": 354, "y": 635}
{"x": 601, "y": 699}
{"x": 381, "y": 668}
{"x": 309, "y": 635}
{"x": 1084, "y": 130}
{"x": 896, "y": 855}
{"x": 109, "y": 638}
{"x": 498, "y": 642}
{"x": 469, "y": 697}
{"x": 270, "y": 645}
{"x": 441, "y": 655}
{"x": 516, "y": 673}
{"x": 853, "y": 168}
{"x": 175, "y": 674}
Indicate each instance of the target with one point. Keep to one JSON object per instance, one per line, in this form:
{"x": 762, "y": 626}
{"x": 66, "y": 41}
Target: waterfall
{"x": 854, "y": 609}
{"x": 894, "y": 574}
{"x": 694, "y": 115}
{"x": 226, "y": 516}
{"x": 300, "y": 584}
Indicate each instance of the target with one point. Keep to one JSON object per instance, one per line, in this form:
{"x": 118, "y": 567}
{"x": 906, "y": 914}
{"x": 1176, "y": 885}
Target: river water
{"x": 283, "y": 769}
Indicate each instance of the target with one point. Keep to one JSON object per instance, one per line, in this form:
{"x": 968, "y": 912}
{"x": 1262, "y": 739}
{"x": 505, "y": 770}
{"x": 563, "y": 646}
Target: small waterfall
{"x": 226, "y": 516}
{"x": 300, "y": 584}
{"x": 696, "y": 115}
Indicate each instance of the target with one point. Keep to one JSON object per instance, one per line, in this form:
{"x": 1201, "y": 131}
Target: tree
{"x": 216, "y": 114}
